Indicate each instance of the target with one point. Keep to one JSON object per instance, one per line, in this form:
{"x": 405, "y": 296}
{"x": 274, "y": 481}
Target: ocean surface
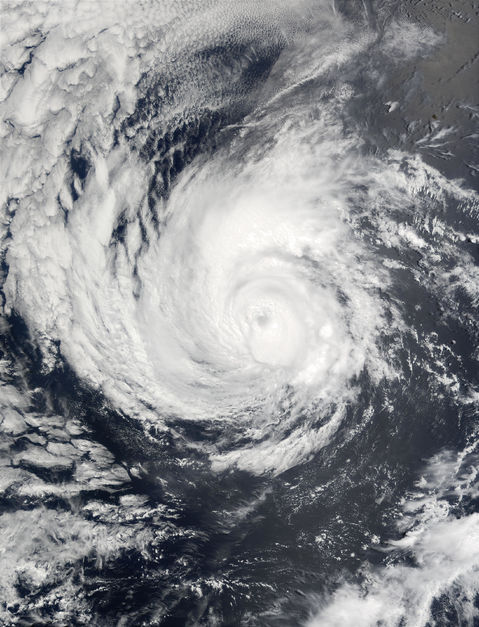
{"x": 239, "y": 343}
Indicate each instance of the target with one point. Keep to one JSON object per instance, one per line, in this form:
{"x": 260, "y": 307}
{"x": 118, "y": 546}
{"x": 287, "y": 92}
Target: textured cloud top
{"x": 225, "y": 254}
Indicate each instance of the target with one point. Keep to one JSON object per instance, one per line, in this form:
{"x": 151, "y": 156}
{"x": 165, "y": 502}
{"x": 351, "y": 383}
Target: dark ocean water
{"x": 154, "y": 471}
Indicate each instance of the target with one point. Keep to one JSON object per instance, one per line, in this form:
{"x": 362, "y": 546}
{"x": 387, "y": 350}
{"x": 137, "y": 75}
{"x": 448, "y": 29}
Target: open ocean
{"x": 239, "y": 352}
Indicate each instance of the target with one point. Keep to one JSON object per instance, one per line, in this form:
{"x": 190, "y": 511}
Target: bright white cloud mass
{"x": 199, "y": 234}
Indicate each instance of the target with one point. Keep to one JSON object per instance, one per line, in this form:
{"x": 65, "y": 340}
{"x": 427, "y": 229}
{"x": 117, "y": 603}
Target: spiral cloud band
{"x": 255, "y": 289}
{"x": 217, "y": 267}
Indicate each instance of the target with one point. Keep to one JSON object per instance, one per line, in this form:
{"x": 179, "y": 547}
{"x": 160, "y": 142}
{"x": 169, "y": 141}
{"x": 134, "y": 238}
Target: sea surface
{"x": 239, "y": 343}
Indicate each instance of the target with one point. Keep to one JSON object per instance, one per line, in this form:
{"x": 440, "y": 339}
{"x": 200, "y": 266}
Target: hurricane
{"x": 240, "y": 294}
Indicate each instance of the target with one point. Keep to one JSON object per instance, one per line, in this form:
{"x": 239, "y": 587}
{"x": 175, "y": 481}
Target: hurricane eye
{"x": 239, "y": 307}
{"x": 263, "y": 320}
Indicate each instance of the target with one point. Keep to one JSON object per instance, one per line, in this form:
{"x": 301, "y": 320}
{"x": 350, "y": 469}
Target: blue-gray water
{"x": 240, "y": 291}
